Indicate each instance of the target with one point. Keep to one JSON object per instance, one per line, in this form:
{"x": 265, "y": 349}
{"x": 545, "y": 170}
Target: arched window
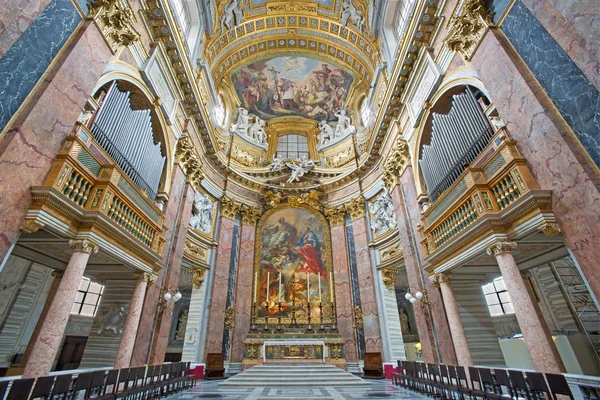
{"x": 365, "y": 113}
{"x": 403, "y": 11}
{"x": 182, "y": 14}
{"x": 220, "y": 113}
{"x": 292, "y": 145}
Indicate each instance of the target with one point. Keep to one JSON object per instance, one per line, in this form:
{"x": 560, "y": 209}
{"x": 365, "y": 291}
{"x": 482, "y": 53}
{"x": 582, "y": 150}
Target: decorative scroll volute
{"x": 398, "y": 159}
{"x": 250, "y": 215}
{"x": 115, "y": 22}
{"x": 388, "y": 276}
{"x": 336, "y": 215}
{"x": 229, "y": 207}
{"x": 466, "y": 30}
{"x": 198, "y": 275}
{"x": 186, "y": 156}
{"x": 356, "y": 207}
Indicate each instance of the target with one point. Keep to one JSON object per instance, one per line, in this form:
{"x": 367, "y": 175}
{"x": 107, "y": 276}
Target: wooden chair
{"x": 518, "y": 383}
{"x": 83, "y": 382}
{"x": 20, "y": 389}
{"x": 503, "y": 381}
{"x": 373, "y": 366}
{"x": 537, "y": 385}
{"x": 476, "y": 391}
{"x": 215, "y": 366}
{"x": 61, "y": 386}
{"x": 3, "y": 387}
{"x": 558, "y": 385}
{"x": 491, "y": 389}
{"x": 43, "y": 387}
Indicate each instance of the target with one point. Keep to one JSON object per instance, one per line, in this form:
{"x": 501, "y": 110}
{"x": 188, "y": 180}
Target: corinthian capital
{"x": 84, "y": 246}
{"x": 250, "y": 215}
{"x": 501, "y": 248}
{"x": 336, "y": 215}
{"x": 356, "y": 207}
{"x": 229, "y": 207}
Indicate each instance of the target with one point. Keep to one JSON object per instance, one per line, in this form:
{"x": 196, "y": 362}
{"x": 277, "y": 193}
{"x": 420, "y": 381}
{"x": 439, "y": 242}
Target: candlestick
{"x": 279, "y": 297}
{"x": 330, "y": 286}
{"x": 319, "y": 288}
{"x": 255, "y": 285}
{"x": 308, "y": 286}
{"x": 268, "y": 284}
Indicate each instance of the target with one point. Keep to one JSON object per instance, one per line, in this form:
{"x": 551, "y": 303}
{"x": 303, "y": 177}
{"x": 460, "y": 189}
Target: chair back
{"x": 453, "y": 378}
{"x": 502, "y": 380}
{"x": 3, "y": 387}
{"x": 518, "y": 382}
{"x": 215, "y": 360}
{"x": 444, "y": 374}
{"x": 111, "y": 380}
{"x": 536, "y": 382}
{"x": 487, "y": 380}
{"x": 62, "y": 385}
{"x": 20, "y": 389}
{"x": 462, "y": 376}
{"x": 83, "y": 381}
{"x": 43, "y": 387}
{"x": 558, "y": 385}
{"x": 475, "y": 378}
{"x": 98, "y": 380}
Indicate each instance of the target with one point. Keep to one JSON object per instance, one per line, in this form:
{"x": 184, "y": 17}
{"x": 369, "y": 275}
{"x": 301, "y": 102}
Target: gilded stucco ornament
{"x": 229, "y": 314}
{"x": 336, "y": 215}
{"x": 115, "y": 21}
{"x": 186, "y": 156}
{"x": 198, "y": 275}
{"x": 356, "y": 207}
{"x": 466, "y": 30}
{"x": 230, "y": 207}
{"x": 388, "y": 276}
{"x": 398, "y": 159}
{"x": 250, "y": 215}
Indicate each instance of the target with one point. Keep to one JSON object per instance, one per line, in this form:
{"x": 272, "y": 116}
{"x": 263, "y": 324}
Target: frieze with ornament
{"x": 115, "y": 20}
{"x": 468, "y": 27}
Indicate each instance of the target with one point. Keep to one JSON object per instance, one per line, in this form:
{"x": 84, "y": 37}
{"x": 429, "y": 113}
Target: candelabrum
{"x": 279, "y": 327}
{"x": 333, "y": 317}
{"x": 294, "y": 311}
{"x": 266, "y": 316}
{"x": 308, "y": 305}
{"x": 321, "y": 315}
{"x": 253, "y": 326}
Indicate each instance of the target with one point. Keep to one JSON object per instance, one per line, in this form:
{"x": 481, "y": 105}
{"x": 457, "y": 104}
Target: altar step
{"x": 294, "y": 375}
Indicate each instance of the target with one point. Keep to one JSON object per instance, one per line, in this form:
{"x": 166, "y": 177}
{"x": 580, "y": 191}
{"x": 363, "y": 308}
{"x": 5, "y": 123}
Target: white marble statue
{"x": 202, "y": 211}
{"x": 343, "y": 127}
{"x": 327, "y": 133}
{"x": 242, "y": 124}
{"x": 233, "y": 15}
{"x": 382, "y": 210}
{"x": 257, "y": 131}
{"x": 181, "y": 325}
{"x": 352, "y": 14}
{"x": 112, "y": 319}
{"x": 497, "y": 122}
{"x": 85, "y": 117}
{"x": 276, "y": 164}
{"x": 299, "y": 168}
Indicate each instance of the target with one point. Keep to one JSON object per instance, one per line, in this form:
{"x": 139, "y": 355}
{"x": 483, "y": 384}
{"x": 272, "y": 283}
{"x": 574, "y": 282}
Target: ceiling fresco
{"x": 292, "y": 86}
{"x": 323, "y": 2}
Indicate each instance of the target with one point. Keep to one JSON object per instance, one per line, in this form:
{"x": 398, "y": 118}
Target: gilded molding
{"x": 186, "y": 156}
{"x": 196, "y": 253}
{"x": 391, "y": 252}
{"x": 501, "y": 248}
{"x": 229, "y": 322}
{"x": 466, "y": 30}
{"x": 550, "y": 229}
{"x": 358, "y": 317}
{"x": 198, "y": 275}
{"x": 336, "y": 215}
{"x": 250, "y": 215}
{"x": 84, "y": 246}
{"x": 398, "y": 160}
{"x": 31, "y": 226}
{"x": 388, "y": 276}
{"x": 229, "y": 207}
{"x": 115, "y": 21}
{"x": 271, "y": 199}
{"x": 356, "y": 207}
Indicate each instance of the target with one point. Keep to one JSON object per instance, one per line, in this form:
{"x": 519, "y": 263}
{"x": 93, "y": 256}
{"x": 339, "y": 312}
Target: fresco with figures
{"x": 322, "y": 2}
{"x": 292, "y": 86}
{"x": 293, "y": 267}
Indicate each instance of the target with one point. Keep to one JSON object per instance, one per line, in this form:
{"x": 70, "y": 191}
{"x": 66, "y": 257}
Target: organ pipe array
{"x": 457, "y": 138}
{"x": 127, "y": 136}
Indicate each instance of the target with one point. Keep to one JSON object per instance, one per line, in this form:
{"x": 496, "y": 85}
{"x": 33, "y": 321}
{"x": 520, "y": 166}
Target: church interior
{"x": 299, "y": 199}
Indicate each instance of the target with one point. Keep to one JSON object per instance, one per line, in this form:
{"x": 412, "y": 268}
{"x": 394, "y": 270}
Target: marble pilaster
{"x": 16, "y": 17}
{"x": 243, "y": 291}
{"x": 368, "y": 295}
{"x": 193, "y": 344}
{"x": 160, "y": 340}
{"x": 218, "y": 294}
{"x": 548, "y": 145}
{"x": 132, "y": 321}
{"x": 536, "y": 334}
{"x": 47, "y": 343}
{"x": 343, "y": 290}
{"x": 459, "y": 338}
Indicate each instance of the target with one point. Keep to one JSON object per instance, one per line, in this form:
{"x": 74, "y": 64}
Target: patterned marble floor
{"x": 377, "y": 390}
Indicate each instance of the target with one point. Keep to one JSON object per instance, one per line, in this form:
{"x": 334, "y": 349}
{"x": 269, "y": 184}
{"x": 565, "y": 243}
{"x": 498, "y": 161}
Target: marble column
{"x": 244, "y": 286}
{"x": 457, "y": 330}
{"x": 343, "y": 286}
{"x": 218, "y": 294}
{"x": 36, "y": 331}
{"x": 537, "y": 337}
{"x": 368, "y": 295}
{"x": 48, "y": 341}
{"x": 130, "y": 327}
{"x": 160, "y": 339}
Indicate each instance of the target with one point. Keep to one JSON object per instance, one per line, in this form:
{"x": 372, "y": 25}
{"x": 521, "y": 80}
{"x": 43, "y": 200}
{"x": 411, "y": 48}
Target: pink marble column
{"x": 457, "y": 329}
{"x": 38, "y": 326}
{"x": 218, "y": 295}
{"x": 343, "y": 288}
{"x": 555, "y": 157}
{"x": 38, "y": 131}
{"x": 47, "y": 343}
{"x": 132, "y": 321}
{"x": 160, "y": 339}
{"x": 536, "y": 334}
{"x": 368, "y": 295}
{"x": 245, "y": 280}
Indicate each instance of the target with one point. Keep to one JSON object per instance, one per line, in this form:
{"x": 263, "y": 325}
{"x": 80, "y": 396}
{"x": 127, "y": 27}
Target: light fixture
{"x": 420, "y": 296}
{"x": 169, "y": 294}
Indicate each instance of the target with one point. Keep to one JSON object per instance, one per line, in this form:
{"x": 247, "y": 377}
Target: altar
{"x": 293, "y": 350}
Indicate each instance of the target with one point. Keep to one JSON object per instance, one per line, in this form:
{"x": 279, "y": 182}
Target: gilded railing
{"x": 496, "y": 180}
{"x": 86, "y": 175}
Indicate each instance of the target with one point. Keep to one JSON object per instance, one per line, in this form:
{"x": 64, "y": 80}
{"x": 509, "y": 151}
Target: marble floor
{"x": 378, "y": 389}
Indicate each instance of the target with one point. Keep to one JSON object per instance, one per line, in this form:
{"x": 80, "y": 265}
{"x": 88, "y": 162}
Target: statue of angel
{"x": 298, "y": 170}
{"x": 276, "y": 164}
{"x": 202, "y": 211}
{"x": 344, "y": 127}
{"x": 352, "y": 14}
{"x": 327, "y": 133}
{"x": 233, "y": 15}
{"x": 242, "y": 123}
{"x": 257, "y": 131}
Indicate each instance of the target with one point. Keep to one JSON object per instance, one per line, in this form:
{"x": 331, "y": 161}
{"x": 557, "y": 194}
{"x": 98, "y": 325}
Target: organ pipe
{"x": 457, "y": 138}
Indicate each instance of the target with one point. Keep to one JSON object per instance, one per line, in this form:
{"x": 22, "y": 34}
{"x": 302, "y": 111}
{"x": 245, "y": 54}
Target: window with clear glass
{"x": 403, "y": 11}
{"x": 220, "y": 113}
{"x": 365, "y": 113}
{"x": 88, "y": 298}
{"x": 182, "y": 14}
{"x": 497, "y": 298}
{"x": 292, "y": 145}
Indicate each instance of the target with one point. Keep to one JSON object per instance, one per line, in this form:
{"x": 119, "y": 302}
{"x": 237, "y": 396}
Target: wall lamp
{"x": 420, "y": 297}
{"x": 166, "y": 295}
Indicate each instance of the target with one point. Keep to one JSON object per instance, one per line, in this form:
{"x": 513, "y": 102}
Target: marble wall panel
{"x": 24, "y": 63}
{"x": 355, "y": 284}
{"x": 574, "y": 96}
{"x": 564, "y": 26}
{"x": 478, "y": 324}
{"x": 368, "y": 295}
{"x": 243, "y": 295}
{"x": 231, "y": 281}
{"x": 16, "y": 16}
{"x": 343, "y": 291}
{"x": 542, "y": 139}
{"x": 392, "y": 322}
{"x": 218, "y": 294}
{"x": 32, "y": 141}
{"x": 102, "y": 345}
{"x": 148, "y": 317}
{"x": 193, "y": 332}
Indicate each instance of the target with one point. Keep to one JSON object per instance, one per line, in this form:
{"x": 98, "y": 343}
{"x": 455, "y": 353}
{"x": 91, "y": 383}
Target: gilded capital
{"x": 250, "y": 215}
{"x": 84, "y": 246}
{"x": 336, "y": 215}
{"x": 398, "y": 160}
{"x": 144, "y": 276}
{"x": 440, "y": 278}
{"x": 467, "y": 28}
{"x": 115, "y": 20}
{"x": 186, "y": 156}
{"x": 550, "y": 229}
{"x": 229, "y": 207}
{"x": 501, "y": 248}
{"x": 356, "y": 207}
{"x": 388, "y": 276}
{"x": 198, "y": 275}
